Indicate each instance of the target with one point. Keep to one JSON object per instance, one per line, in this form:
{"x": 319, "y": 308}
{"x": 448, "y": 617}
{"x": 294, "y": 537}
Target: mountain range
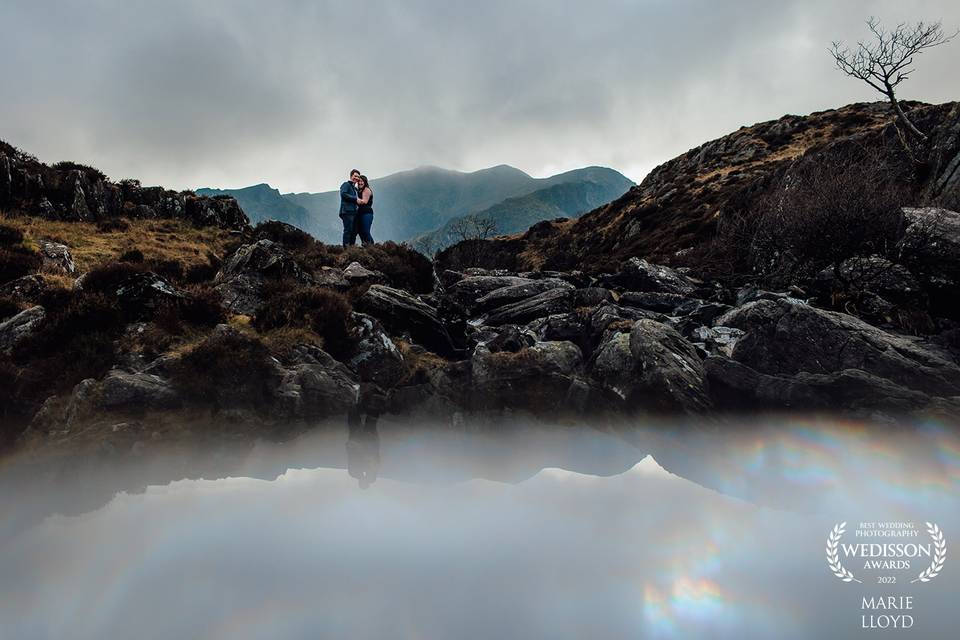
{"x": 425, "y": 200}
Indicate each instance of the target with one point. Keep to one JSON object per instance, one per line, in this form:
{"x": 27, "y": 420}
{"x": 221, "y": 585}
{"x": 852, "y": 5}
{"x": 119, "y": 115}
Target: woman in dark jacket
{"x": 365, "y": 211}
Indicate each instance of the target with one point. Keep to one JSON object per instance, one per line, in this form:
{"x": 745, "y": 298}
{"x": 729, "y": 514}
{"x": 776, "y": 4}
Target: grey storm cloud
{"x": 290, "y": 92}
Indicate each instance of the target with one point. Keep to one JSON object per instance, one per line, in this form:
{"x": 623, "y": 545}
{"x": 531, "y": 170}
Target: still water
{"x": 567, "y": 532}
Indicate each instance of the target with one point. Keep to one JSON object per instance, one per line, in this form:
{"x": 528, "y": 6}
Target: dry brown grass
{"x": 157, "y": 239}
{"x": 418, "y": 363}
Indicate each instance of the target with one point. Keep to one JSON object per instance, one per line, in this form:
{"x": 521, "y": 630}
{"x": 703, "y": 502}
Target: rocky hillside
{"x": 680, "y": 204}
{"x": 74, "y": 192}
{"x": 272, "y": 331}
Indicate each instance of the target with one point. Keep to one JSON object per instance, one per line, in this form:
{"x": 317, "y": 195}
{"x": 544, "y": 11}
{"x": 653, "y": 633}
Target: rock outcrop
{"x": 73, "y": 192}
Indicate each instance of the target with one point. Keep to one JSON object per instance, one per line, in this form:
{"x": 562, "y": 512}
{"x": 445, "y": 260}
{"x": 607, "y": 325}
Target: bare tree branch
{"x": 886, "y": 61}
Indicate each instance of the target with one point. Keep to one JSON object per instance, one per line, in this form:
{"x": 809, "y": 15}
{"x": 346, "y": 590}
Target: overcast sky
{"x": 294, "y": 92}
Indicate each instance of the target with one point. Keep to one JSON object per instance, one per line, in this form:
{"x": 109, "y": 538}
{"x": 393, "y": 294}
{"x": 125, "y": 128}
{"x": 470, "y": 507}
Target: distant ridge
{"x": 417, "y": 201}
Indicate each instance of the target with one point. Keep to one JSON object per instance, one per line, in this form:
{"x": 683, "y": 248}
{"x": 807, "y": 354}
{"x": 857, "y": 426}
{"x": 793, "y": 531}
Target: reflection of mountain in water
{"x": 784, "y": 466}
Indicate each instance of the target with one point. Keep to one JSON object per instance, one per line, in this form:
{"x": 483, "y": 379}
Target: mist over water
{"x": 532, "y": 532}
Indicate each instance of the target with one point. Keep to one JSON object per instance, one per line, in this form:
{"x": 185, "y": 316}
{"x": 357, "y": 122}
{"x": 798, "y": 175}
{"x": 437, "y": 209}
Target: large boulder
{"x": 376, "y": 358}
{"x": 737, "y": 387}
{"x": 544, "y": 304}
{"x": 315, "y": 385}
{"x": 402, "y": 313}
{"x": 264, "y": 258}
{"x": 142, "y": 293}
{"x": 875, "y": 274}
{"x": 357, "y": 274}
{"x": 786, "y": 338}
{"x": 652, "y": 368}
{"x": 637, "y": 274}
{"x": 653, "y": 300}
{"x": 518, "y": 292}
{"x": 123, "y": 389}
{"x": 20, "y": 326}
{"x": 242, "y": 275}
{"x": 57, "y": 257}
{"x": 466, "y": 291}
{"x": 539, "y": 378}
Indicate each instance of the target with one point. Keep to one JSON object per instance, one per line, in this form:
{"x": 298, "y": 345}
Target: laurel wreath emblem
{"x": 833, "y": 558}
{"x": 939, "y": 556}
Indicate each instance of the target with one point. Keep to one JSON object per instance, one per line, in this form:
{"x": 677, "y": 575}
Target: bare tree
{"x": 469, "y": 234}
{"x": 887, "y": 61}
{"x": 473, "y": 228}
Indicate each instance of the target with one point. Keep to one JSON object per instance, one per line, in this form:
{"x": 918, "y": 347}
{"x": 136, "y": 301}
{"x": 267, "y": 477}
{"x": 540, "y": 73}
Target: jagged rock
{"x": 264, "y": 258}
{"x": 536, "y": 378}
{"x": 752, "y": 294}
{"x": 356, "y": 274}
{"x": 215, "y": 212}
{"x": 57, "y": 257}
{"x": 653, "y": 300}
{"x": 401, "y": 313}
{"x": 931, "y": 247}
{"x": 512, "y": 339}
{"x": 601, "y": 319}
{"x": 591, "y": 297}
{"x": 437, "y": 394}
{"x": 15, "y": 329}
{"x": 377, "y": 358}
{"x": 639, "y": 275}
{"x": 467, "y": 291}
{"x": 541, "y": 305}
{"x": 313, "y": 384}
{"x": 562, "y": 326}
{"x": 717, "y": 340}
{"x": 122, "y": 389}
{"x": 515, "y": 293}
{"x": 652, "y": 368}
{"x": 142, "y": 293}
{"x": 735, "y": 386}
{"x": 241, "y": 293}
{"x": 331, "y": 278}
{"x": 784, "y": 338}
{"x": 242, "y": 275}
{"x": 701, "y": 311}
{"x": 876, "y": 274}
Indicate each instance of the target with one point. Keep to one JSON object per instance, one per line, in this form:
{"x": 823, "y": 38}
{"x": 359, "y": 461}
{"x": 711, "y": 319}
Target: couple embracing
{"x": 356, "y": 209}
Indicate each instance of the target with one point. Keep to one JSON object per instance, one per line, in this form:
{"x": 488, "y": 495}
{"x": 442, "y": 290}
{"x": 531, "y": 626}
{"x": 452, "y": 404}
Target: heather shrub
{"x": 404, "y": 268}
{"x": 131, "y": 255}
{"x": 824, "y": 210}
{"x": 106, "y": 278}
{"x": 202, "y": 306}
{"x": 17, "y": 258}
{"x": 227, "y": 369}
{"x": 325, "y": 312}
{"x": 9, "y": 307}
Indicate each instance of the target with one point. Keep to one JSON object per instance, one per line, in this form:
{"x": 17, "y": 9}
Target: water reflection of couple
{"x": 356, "y": 209}
{"x": 363, "y": 439}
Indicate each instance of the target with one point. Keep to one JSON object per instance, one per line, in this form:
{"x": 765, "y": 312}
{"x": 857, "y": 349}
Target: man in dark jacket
{"x": 348, "y": 208}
